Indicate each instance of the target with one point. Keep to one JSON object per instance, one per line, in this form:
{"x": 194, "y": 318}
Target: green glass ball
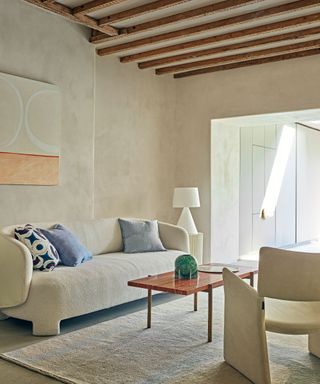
{"x": 186, "y": 267}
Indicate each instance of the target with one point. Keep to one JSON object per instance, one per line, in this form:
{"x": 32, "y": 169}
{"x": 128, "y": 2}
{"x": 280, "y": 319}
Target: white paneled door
{"x": 258, "y": 151}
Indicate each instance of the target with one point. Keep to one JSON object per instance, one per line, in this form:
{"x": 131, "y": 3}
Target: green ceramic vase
{"x": 186, "y": 267}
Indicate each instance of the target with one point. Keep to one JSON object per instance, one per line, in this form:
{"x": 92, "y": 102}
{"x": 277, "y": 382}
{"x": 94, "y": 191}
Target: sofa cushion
{"x": 140, "y": 236}
{"x": 71, "y": 251}
{"x": 105, "y": 278}
{"x": 100, "y": 236}
{"x": 44, "y": 254}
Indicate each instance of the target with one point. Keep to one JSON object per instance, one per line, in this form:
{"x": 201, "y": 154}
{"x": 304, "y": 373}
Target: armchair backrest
{"x": 289, "y": 275}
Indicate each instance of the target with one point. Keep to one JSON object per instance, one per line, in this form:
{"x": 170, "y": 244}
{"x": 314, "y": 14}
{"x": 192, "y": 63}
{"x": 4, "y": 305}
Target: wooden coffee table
{"x": 205, "y": 282}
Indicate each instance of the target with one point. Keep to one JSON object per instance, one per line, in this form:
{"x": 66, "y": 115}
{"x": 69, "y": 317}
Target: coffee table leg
{"x": 252, "y": 279}
{"x": 149, "y": 307}
{"x": 195, "y": 302}
{"x": 210, "y": 314}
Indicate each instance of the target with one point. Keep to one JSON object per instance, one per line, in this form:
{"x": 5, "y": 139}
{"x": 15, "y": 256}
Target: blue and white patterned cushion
{"x": 45, "y": 256}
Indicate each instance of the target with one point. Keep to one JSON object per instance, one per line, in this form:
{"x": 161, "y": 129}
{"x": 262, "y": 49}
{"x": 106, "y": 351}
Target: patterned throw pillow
{"x": 45, "y": 256}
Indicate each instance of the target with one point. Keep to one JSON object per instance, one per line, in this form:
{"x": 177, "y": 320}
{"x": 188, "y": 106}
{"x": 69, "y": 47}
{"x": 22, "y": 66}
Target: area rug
{"x": 173, "y": 351}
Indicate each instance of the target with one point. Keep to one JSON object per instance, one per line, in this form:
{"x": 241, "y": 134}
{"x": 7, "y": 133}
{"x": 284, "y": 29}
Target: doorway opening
{"x": 265, "y": 184}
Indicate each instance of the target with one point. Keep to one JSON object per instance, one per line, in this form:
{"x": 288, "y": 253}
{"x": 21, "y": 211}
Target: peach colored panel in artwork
{"x": 28, "y": 169}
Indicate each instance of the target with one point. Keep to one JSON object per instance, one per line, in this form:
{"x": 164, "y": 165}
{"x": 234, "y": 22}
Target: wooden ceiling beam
{"x": 279, "y": 9}
{"x": 63, "y": 10}
{"x": 186, "y": 15}
{"x": 248, "y": 63}
{"x": 240, "y": 57}
{"x": 265, "y": 28}
{"x": 140, "y": 10}
{"x": 226, "y": 48}
{"x": 94, "y": 5}
{"x": 198, "y": 12}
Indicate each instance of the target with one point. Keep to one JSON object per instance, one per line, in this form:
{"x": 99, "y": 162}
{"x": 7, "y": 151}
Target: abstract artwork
{"x": 30, "y": 121}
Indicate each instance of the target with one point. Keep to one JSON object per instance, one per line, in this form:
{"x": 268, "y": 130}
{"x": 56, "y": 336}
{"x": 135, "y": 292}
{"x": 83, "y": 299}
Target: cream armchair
{"x": 287, "y": 301}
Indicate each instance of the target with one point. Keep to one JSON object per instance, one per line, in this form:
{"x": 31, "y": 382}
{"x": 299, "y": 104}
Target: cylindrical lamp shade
{"x": 186, "y": 197}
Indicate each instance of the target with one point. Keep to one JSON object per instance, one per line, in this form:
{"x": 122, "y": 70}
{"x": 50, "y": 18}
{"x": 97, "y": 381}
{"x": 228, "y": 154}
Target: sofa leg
{"x": 314, "y": 344}
{"x": 3, "y": 316}
{"x": 49, "y": 328}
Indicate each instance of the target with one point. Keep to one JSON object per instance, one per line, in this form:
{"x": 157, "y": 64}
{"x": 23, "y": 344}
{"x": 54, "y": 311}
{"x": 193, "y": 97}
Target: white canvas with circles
{"x": 30, "y": 124}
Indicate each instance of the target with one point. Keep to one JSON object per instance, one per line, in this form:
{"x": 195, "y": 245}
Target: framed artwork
{"x": 30, "y": 125}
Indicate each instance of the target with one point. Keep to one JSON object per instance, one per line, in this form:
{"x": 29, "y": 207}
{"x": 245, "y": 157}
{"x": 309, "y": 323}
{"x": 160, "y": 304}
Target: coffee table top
{"x": 166, "y": 282}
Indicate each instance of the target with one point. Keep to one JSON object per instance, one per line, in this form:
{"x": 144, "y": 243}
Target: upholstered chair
{"x": 287, "y": 301}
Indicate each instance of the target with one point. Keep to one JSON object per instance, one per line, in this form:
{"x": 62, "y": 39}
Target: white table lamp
{"x": 186, "y": 198}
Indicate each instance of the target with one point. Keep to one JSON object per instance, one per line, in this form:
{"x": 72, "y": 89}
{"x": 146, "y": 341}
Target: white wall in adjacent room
{"x": 259, "y": 145}
{"x": 308, "y": 184}
{"x": 225, "y": 168}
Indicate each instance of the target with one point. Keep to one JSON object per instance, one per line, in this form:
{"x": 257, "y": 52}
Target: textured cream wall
{"x": 135, "y": 116}
{"x": 40, "y": 46}
{"x": 277, "y": 87}
{"x": 134, "y": 142}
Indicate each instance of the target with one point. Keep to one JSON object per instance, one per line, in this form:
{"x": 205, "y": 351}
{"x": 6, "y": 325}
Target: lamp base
{"x": 186, "y": 221}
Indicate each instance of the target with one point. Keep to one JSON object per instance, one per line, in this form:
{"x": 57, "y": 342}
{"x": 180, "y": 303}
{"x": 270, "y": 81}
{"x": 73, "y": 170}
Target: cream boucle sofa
{"x": 46, "y": 298}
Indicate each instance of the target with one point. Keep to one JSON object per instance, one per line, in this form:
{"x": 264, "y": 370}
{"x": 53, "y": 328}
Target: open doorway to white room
{"x": 265, "y": 184}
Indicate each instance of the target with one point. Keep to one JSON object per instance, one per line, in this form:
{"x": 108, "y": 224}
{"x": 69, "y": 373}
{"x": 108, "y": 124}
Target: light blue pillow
{"x": 140, "y": 236}
{"x": 71, "y": 251}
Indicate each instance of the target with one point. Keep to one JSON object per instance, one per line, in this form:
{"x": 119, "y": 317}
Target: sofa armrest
{"x": 15, "y": 272}
{"x": 174, "y": 237}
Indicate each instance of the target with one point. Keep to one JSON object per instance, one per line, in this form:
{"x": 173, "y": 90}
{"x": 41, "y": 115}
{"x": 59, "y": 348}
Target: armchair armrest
{"x": 15, "y": 272}
{"x": 174, "y": 237}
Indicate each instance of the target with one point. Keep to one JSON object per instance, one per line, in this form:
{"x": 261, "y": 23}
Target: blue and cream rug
{"x": 173, "y": 351}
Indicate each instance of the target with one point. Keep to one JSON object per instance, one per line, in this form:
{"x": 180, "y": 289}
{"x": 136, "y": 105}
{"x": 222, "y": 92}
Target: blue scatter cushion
{"x": 71, "y": 251}
{"x": 44, "y": 254}
{"x": 140, "y": 236}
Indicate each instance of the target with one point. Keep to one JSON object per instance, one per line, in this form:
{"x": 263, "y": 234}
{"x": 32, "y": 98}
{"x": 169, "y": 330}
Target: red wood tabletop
{"x": 166, "y": 282}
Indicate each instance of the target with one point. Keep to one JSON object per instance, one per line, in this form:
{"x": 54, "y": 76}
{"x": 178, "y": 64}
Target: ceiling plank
{"x": 265, "y": 28}
{"x": 66, "y": 12}
{"x": 240, "y": 57}
{"x": 191, "y": 14}
{"x": 271, "y": 59}
{"x": 140, "y": 10}
{"x": 244, "y": 44}
{"x": 186, "y": 15}
{"x": 279, "y": 9}
{"x": 94, "y": 5}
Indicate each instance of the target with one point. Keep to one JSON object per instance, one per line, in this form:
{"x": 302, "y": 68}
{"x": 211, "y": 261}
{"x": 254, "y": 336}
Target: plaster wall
{"x": 277, "y": 87}
{"x": 40, "y": 46}
{"x": 117, "y": 156}
{"x": 134, "y": 142}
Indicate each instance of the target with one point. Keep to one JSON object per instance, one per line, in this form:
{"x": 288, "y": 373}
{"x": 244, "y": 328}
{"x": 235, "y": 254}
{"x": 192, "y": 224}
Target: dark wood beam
{"x": 141, "y": 10}
{"x": 66, "y": 12}
{"x": 279, "y": 9}
{"x": 186, "y": 15}
{"x": 231, "y": 47}
{"x": 94, "y": 5}
{"x": 240, "y": 57}
{"x": 265, "y": 28}
{"x": 203, "y": 11}
{"x": 265, "y": 60}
